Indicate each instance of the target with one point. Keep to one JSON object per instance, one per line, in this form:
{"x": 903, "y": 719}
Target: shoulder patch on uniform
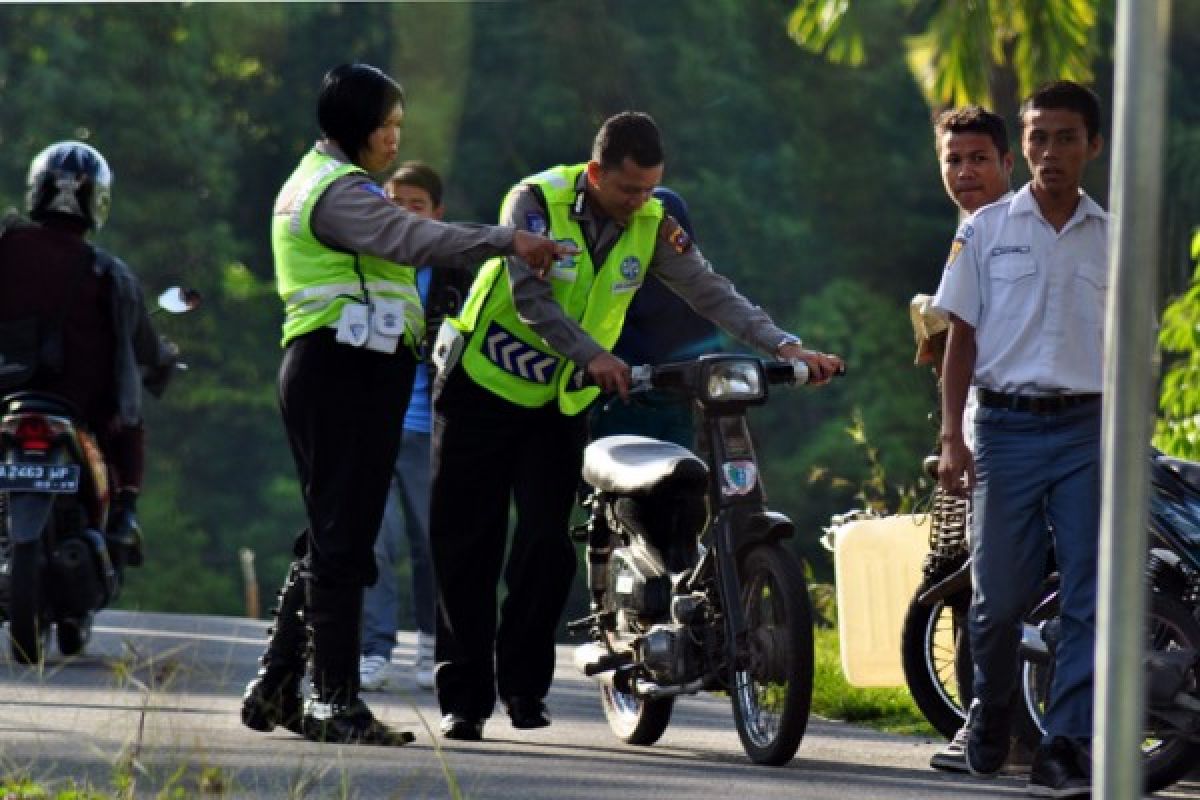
{"x": 673, "y": 234}
{"x": 535, "y": 222}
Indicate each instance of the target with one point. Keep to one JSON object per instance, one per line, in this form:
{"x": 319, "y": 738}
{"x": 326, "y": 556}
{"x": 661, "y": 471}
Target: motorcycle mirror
{"x": 178, "y": 300}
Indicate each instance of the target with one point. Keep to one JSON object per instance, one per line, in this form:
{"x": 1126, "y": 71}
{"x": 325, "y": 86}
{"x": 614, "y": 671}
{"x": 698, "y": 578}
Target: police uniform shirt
{"x": 1035, "y": 296}
{"x": 354, "y": 215}
{"x": 677, "y": 262}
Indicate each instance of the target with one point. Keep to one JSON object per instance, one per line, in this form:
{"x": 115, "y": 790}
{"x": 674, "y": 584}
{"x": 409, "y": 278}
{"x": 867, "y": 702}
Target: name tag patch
{"x": 1010, "y": 249}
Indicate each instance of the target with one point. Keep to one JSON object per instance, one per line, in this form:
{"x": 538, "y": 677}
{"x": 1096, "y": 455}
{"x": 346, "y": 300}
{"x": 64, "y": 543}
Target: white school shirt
{"x": 1035, "y": 296}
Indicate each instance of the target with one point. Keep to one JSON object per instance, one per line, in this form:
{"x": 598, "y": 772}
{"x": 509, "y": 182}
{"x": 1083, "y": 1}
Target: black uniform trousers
{"x": 343, "y": 408}
{"x": 486, "y": 452}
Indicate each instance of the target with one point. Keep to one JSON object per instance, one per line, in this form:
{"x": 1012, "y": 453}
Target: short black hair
{"x": 355, "y": 99}
{"x": 973, "y": 119}
{"x": 630, "y": 134}
{"x": 1067, "y": 96}
{"x": 420, "y": 175}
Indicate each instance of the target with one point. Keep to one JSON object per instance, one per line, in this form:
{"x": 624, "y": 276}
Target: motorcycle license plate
{"x": 56, "y": 478}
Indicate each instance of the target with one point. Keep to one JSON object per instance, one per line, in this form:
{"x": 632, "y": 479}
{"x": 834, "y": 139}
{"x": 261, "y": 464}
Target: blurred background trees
{"x": 812, "y": 185}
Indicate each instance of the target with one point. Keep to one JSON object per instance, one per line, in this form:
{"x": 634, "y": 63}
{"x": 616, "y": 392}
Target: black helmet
{"x": 70, "y": 178}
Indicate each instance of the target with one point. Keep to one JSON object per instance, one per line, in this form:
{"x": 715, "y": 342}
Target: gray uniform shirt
{"x": 353, "y": 215}
{"x": 686, "y": 273}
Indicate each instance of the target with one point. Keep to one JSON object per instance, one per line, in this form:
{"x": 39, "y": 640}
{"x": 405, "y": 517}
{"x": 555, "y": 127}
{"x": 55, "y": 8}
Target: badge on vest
{"x": 564, "y": 267}
{"x": 353, "y": 326}
{"x": 631, "y": 271}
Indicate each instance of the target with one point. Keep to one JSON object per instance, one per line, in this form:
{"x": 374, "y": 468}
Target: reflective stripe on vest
{"x": 509, "y": 358}
{"x": 315, "y": 281}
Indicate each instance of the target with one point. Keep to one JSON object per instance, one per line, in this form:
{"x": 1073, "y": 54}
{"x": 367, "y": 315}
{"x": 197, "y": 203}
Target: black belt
{"x": 1038, "y": 404}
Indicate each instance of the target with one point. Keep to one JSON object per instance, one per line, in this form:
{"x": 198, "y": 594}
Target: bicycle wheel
{"x": 772, "y": 688}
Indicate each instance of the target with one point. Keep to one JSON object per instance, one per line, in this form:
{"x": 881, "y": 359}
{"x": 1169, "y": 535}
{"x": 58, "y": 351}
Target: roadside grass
{"x": 890, "y": 710}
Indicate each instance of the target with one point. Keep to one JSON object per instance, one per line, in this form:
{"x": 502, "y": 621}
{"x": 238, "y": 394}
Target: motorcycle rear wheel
{"x": 772, "y": 693}
{"x": 936, "y": 655}
{"x": 28, "y": 623}
{"x": 1166, "y": 756}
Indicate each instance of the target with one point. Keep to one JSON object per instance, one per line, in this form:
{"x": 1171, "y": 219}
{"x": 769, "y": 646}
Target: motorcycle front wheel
{"x": 1167, "y": 755}
{"x": 935, "y": 652}
{"x": 28, "y": 623}
{"x": 772, "y": 685}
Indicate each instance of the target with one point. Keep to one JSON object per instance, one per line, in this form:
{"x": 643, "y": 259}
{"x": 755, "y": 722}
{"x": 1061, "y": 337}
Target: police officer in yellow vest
{"x": 507, "y": 418}
{"x": 353, "y": 318}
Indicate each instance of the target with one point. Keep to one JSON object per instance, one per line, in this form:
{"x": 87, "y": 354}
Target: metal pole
{"x": 1137, "y": 155}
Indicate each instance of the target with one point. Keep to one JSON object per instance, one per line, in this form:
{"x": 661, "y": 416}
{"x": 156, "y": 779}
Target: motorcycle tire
{"x": 636, "y": 720}
{"x": 772, "y": 693}
{"x": 935, "y": 653}
{"x": 73, "y": 634}
{"x": 28, "y": 623}
{"x": 1166, "y": 757}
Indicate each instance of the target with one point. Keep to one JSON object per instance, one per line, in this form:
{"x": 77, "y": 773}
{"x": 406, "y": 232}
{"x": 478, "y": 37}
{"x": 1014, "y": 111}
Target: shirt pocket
{"x": 1090, "y": 291}
{"x": 1011, "y": 280}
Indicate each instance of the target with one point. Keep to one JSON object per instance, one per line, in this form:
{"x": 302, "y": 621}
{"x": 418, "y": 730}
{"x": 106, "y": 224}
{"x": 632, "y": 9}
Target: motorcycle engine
{"x": 669, "y": 654}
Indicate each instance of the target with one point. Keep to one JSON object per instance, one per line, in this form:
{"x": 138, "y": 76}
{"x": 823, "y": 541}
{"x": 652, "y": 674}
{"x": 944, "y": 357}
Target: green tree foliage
{"x": 1177, "y": 429}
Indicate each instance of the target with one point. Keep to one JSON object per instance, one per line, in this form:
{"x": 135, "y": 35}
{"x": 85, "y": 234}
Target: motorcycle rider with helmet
{"x": 73, "y": 321}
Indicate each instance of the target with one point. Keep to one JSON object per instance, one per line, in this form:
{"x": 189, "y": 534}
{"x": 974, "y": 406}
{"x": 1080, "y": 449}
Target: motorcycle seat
{"x": 1188, "y": 471}
{"x": 39, "y": 403}
{"x": 629, "y": 464}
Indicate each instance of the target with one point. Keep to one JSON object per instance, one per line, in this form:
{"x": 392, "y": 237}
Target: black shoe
{"x": 352, "y": 724}
{"x": 270, "y": 701}
{"x": 125, "y": 534}
{"x": 988, "y": 732}
{"x": 526, "y": 711}
{"x": 1057, "y": 771}
{"x": 952, "y": 757}
{"x": 462, "y": 728}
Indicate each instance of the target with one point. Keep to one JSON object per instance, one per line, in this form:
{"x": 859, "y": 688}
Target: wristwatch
{"x": 786, "y": 340}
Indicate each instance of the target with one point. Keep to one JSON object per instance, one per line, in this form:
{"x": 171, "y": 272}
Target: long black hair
{"x": 355, "y": 99}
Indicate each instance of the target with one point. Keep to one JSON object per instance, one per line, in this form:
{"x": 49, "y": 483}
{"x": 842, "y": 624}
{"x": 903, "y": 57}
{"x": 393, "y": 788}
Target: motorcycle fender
{"x": 957, "y": 581}
{"x": 28, "y": 513}
{"x": 765, "y": 526}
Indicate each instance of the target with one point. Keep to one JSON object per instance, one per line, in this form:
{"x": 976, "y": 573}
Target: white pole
{"x": 1129, "y": 380}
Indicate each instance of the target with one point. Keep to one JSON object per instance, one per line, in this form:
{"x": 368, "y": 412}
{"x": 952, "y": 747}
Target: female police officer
{"x": 352, "y": 318}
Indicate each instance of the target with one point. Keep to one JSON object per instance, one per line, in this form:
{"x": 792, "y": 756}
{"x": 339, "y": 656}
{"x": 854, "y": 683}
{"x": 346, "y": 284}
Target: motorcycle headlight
{"x": 735, "y": 380}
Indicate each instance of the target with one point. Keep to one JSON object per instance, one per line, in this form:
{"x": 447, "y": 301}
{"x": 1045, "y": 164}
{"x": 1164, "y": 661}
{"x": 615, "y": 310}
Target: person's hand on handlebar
{"x": 821, "y": 366}
{"x": 539, "y": 252}
{"x": 611, "y": 374}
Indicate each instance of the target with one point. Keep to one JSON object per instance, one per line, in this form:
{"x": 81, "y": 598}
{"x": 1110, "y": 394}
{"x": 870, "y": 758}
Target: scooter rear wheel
{"x": 28, "y": 623}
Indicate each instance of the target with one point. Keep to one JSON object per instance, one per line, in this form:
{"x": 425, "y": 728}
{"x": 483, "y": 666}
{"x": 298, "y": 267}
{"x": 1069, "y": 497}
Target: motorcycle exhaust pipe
{"x": 593, "y": 660}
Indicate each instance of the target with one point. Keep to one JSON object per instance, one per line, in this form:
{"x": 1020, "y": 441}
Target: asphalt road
{"x": 156, "y": 701}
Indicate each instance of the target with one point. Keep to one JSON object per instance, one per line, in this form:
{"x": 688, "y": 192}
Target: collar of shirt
{"x": 1023, "y": 202}
{"x": 600, "y": 230}
{"x": 328, "y": 147}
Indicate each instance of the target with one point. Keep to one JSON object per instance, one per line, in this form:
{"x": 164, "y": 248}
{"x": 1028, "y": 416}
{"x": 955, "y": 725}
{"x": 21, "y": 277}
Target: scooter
{"x": 692, "y": 588}
{"x": 56, "y": 568}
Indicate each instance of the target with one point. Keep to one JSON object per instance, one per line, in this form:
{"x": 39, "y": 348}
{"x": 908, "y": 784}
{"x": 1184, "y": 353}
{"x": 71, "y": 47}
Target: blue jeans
{"x": 1036, "y": 474}
{"x": 407, "y": 510}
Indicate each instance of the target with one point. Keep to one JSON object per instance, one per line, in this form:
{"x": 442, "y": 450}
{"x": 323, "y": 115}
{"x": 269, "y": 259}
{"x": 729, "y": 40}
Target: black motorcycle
{"x": 692, "y": 587}
{"x": 1171, "y": 733}
{"x": 56, "y": 564}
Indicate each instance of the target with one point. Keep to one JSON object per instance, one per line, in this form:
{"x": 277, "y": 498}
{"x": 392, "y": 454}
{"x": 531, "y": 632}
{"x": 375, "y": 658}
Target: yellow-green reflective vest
{"x": 314, "y": 281}
{"x": 503, "y": 354}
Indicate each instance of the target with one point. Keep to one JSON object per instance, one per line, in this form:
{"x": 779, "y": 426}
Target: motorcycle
{"x": 692, "y": 588}
{"x": 56, "y": 569}
{"x": 1171, "y": 743}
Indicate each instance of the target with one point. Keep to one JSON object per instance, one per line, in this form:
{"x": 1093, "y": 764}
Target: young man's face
{"x": 621, "y": 192}
{"x": 973, "y": 171}
{"x": 414, "y": 199}
{"x": 1056, "y": 146}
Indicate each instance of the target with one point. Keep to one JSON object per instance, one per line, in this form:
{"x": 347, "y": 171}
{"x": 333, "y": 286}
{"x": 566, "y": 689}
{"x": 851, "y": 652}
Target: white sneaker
{"x": 425, "y": 660}
{"x": 372, "y": 673}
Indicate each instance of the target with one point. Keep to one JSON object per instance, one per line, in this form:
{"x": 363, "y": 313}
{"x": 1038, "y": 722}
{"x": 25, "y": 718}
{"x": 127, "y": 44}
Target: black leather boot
{"x": 274, "y": 696}
{"x": 334, "y": 712}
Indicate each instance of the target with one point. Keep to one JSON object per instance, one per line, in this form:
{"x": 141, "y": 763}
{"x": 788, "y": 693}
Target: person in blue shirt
{"x": 418, "y": 188}
{"x": 659, "y": 328}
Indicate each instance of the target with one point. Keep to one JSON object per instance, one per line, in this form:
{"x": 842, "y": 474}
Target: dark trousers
{"x": 343, "y": 408}
{"x": 486, "y": 453}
